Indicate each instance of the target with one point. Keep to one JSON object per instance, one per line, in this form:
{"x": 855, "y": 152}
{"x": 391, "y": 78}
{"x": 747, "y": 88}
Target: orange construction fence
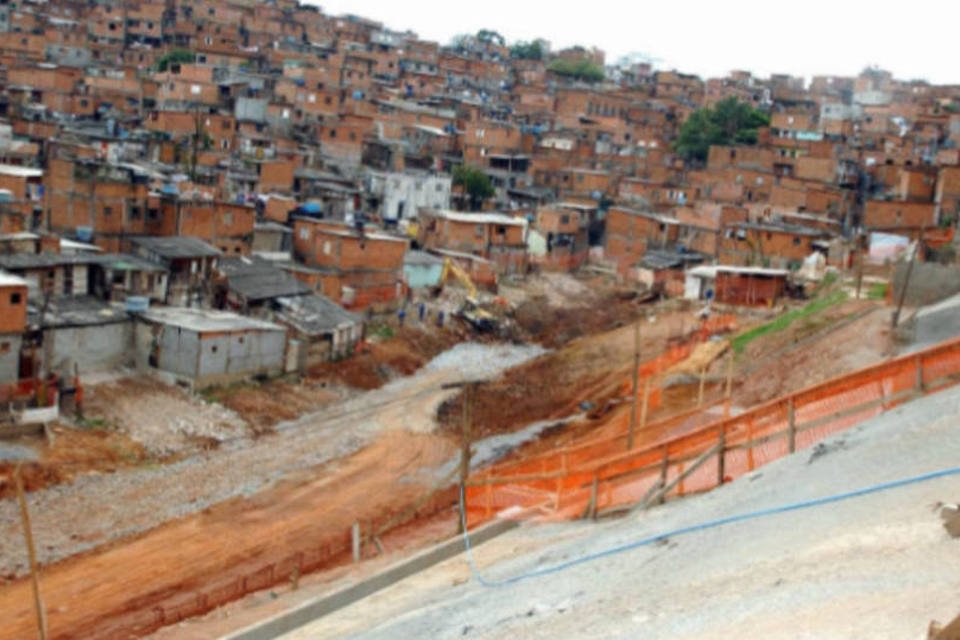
{"x": 603, "y": 475}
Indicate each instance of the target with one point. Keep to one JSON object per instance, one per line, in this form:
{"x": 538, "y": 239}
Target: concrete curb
{"x": 309, "y": 611}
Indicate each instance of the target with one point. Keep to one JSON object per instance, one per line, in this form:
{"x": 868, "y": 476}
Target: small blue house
{"x": 422, "y": 270}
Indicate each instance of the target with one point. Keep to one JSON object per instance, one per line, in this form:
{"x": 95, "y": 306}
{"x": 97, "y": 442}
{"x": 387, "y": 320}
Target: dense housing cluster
{"x": 250, "y": 169}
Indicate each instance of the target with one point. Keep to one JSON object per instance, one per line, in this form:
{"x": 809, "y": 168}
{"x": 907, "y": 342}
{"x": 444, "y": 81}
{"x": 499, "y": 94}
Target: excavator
{"x": 471, "y": 312}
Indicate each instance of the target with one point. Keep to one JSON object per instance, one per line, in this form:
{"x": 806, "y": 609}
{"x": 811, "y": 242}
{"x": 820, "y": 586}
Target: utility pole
{"x": 466, "y": 440}
{"x": 31, "y": 555}
{"x": 636, "y": 385}
{"x": 859, "y": 245}
{"x": 906, "y": 280}
{"x": 465, "y": 454}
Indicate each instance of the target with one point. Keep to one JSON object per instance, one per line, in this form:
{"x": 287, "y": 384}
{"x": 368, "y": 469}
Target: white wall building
{"x": 402, "y": 195}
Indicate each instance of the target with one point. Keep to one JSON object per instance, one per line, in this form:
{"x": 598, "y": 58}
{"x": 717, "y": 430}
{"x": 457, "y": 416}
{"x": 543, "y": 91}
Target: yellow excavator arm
{"x": 451, "y": 267}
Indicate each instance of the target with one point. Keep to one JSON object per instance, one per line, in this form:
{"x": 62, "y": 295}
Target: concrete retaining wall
{"x": 929, "y": 283}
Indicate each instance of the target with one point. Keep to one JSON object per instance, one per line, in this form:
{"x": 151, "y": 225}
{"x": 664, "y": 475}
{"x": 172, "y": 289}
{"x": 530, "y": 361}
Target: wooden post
{"x": 31, "y": 555}
{"x": 906, "y": 280}
{"x": 791, "y": 426}
{"x": 728, "y": 389}
{"x": 703, "y": 379}
{"x": 636, "y": 385}
{"x": 465, "y": 454}
{"x": 721, "y": 449}
{"x": 677, "y": 483}
{"x": 646, "y": 403}
{"x": 664, "y": 466}
{"x": 859, "y": 265}
{"x": 918, "y": 384}
{"x": 355, "y": 541}
{"x": 593, "y": 496}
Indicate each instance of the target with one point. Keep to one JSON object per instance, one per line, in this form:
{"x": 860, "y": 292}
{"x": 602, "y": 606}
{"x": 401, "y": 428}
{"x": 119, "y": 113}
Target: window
{"x": 479, "y": 231}
{"x": 134, "y": 213}
{"x": 4, "y": 347}
{"x": 565, "y": 219}
{"x": 333, "y": 133}
{"x": 501, "y": 230}
{"x": 107, "y": 211}
{"x": 796, "y": 241}
{"x": 228, "y": 218}
{"x": 15, "y": 298}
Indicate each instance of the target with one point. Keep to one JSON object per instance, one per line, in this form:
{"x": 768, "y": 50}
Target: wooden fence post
{"x": 646, "y": 403}
{"x": 355, "y": 540}
{"x": 664, "y": 466}
{"x": 918, "y": 384}
{"x": 791, "y": 426}
{"x": 703, "y": 379}
{"x": 721, "y": 449}
{"x": 593, "y": 496}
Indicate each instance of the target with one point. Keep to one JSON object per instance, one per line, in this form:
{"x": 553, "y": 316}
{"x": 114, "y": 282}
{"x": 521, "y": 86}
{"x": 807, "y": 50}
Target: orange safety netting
{"x": 692, "y": 457}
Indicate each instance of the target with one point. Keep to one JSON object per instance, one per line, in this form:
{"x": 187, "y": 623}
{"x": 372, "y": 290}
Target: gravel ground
{"x": 10, "y": 452}
{"x": 879, "y": 566}
{"x": 164, "y": 419}
{"x": 97, "y": 509}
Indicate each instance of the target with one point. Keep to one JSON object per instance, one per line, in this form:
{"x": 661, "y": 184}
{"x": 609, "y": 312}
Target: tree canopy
{"x": 728, "y": 122}
{"x": 465, "y": 41}
{"x": 475, "y": 183}
{"x": 577, "y": 69}
{"x": 534, "y": 50}
{"x": 489, "y": 35}
{"x": 177, "y": 56}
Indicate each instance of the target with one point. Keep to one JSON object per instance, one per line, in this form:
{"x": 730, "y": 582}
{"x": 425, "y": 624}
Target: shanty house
{"x": 203, "y": 348}
{"x": 750, "y": 286}
{"x": 13, "y": 321}
{"x": 499, "y": 238}
{"x": 190, "y": 263}
{"x": 325, "y": 330}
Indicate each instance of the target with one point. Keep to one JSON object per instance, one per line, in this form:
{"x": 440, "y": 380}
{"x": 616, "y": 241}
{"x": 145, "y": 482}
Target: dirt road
{"x": 183, "y": 567}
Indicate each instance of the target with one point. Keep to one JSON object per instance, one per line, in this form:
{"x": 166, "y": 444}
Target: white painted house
{"x": 403, "y": 194}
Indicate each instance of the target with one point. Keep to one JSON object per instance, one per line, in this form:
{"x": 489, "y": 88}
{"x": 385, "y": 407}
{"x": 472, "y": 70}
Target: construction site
{"x": 234, "y": 511}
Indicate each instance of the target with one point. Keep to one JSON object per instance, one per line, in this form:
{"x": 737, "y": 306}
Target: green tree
{"x": 729, "y": 122}
{"x": 533, "y": 50}
{"x": 577, "y": 69}
{"x": 177, "y": 56}
{"x": 488, "y": 36}
{"x": 475, "y": 183}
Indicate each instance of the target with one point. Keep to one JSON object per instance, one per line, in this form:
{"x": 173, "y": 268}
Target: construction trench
{"x": 265, "y": 541}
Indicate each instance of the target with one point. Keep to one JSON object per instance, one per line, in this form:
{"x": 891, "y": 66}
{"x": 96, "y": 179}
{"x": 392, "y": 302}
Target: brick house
{"x": 631, "y": 232}
{"x": 497, "y": 237}
{"x": 769, "y": 244}
{"x": 367, "y": 266}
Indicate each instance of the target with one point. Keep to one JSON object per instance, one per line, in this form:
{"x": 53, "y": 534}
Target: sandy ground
{"x": 856, "y": 334}
{"x": 396, "y": 459}
{"x": 879, "y": 566}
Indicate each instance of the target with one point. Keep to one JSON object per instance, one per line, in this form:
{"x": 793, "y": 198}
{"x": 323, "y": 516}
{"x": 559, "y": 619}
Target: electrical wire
{"x": 703, "y": 526}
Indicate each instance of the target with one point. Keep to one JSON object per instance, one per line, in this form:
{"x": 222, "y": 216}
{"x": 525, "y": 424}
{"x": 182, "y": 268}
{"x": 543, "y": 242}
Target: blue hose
{"x": 710, "y": 524}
